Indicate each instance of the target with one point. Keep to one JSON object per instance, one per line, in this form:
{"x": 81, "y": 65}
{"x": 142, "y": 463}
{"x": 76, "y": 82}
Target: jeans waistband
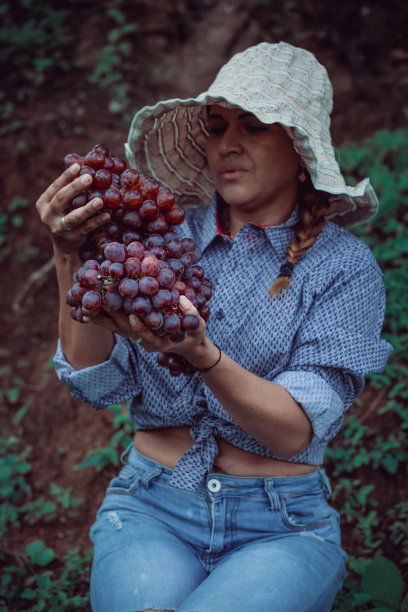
{"x": 290, "y": 485}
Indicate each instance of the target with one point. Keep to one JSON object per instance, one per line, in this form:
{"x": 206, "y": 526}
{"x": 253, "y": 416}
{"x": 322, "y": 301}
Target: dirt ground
{"x": 60, "y": 429}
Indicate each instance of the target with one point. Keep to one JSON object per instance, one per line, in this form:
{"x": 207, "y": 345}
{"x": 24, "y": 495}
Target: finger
{"x": 139, "y": 329}
{"x": 108, "y": 323}
{"x": 61, "y": 199}
{"x": 64, "y": 179}
{"x": 188, "y": 308}
{"x": 83, "y": 218}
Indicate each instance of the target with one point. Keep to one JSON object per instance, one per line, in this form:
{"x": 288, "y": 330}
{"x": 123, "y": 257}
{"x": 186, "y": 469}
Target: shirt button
{"x": 214, "y": 485}
{"x": 219, "y": 315}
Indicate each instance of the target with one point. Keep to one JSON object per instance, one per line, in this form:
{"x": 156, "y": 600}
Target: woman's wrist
{"x": 204, "y": 356}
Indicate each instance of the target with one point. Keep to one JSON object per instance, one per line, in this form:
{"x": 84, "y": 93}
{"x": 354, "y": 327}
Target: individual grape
{"x": 119, "y": 164}
{"x": 92, "y": 301}
{"x": 73, "y": 158}
{"x": 114, "y": 232}
{"x": 191, "y": 296}
{"x": 116, "y": 180}
{"x": 130, "y": 236}
{"x": 175, "y": 296}
{"x": 188, "y": 244}
{"x": 174, "y": 248}
{"x": 113, "y": 299}
{"x": 189, "y": 322}
{"x": 198, "y": 271}
{"x": 102, "y": 149}
{"x": 150, "y": 266}
{"x": 163, "y": 359}
{"x": 102, "y": 179}
{"x": 87, "y": 170}
{"x": 112, "y": 197}
{"x": 153, "y": 320}
{"x": 132, "y": 267}
{"x": 105, "y": 265}
{"x": 132, "y": 219}
{"x": 76, "y": 313}
{"x": 149, "y": 210}
{"x": 91, "y": 279}
{"x": 108, "y": 165}
{"x": 175, "y": 215}
{"x": 128, "y": 287}
{"x": 180, "y": 286}
{"x": 149, "y": 188}
{"x": 78, "y": 291}
{"x": 177, "y": 267}
{"x": 115, "y": 251}
{"x": 194, "y": 283}
{"x": 130, "y": 179}
{"x": 71, "y": 301}
{"x": 185, "y": 260}
{"x": 94, "y": 159}
{"x": 142, "y": 305}
{"x": 153, "y": 241}
{"x": 158, "y": 225}
{"x": 79, "y": 200}
{"x": 136, "y": 249}
{"x": 164, "y": 199}
{"x": 206, "y": 291}
{"x": 162, "y": 299}
{"x": 148, "y": 285}
{"x": 163, "y": 264}
{"x": 91, "y": 264}
{"x": 132, "y": 200}
{"x": 116, "y": 270}
{"x": 171, "y": 322}
{"x": 178, "y": 336}
{"x": 205, "y": 313}
{"x": 166, "y": 278}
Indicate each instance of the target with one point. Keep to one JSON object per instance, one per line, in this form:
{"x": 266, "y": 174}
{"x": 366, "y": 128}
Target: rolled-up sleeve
{"x": 337, "y": 344}
{"x": 111, "y": 381}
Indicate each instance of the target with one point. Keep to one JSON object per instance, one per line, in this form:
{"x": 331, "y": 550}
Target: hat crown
{"x": 276, "y": 74}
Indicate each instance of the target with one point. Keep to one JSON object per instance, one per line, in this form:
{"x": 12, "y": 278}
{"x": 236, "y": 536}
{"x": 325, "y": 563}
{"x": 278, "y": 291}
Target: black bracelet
{"x": 216, "y": 363}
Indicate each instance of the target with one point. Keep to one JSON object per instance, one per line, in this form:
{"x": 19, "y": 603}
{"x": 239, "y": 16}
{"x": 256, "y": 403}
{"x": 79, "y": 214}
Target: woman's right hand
{"x": 54, "y": 202}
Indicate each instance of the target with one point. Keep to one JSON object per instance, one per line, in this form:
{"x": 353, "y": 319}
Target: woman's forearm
{"x": 263, "y": 409}
{"x": 83, "y": 345}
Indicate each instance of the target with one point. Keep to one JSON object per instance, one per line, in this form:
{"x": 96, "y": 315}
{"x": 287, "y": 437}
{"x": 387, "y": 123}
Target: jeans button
{"x": 214, "y": 485}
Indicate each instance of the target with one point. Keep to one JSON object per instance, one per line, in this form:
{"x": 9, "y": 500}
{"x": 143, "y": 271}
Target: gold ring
{"x": 65, "y": 227}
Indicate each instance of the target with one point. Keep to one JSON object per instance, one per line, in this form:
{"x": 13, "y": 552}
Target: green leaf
{"x": 39, "y": 554}
{"x": 382, "y": 580}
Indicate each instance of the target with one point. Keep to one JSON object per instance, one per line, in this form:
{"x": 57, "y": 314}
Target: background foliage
{"x": 61, "y": 69}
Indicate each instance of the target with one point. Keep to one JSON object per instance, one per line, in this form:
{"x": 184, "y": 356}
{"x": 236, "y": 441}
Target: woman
{"x": 222, "y": 502}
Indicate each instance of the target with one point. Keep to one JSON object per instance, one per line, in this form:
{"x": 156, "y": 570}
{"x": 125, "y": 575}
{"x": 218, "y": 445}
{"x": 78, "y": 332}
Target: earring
{"x": 302, "y": 176}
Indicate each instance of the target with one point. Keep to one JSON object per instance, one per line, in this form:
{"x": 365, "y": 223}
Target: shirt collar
{"x": 278, "y": 235}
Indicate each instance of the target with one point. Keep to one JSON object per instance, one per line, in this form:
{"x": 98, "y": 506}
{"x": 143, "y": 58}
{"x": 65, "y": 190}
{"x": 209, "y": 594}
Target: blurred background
{"x": 72, "y": 75}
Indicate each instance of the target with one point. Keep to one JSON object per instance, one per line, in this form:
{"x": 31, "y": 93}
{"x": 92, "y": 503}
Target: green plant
{"x": 381, "y": 588}
{"x": 101, "y": 457}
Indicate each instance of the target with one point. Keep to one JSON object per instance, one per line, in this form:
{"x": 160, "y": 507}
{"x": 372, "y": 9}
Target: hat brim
{"x": 167, "y": 141}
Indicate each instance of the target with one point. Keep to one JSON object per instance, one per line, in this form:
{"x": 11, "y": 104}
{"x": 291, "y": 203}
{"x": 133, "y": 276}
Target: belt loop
{"x": 125, "y": 452}
{"x": 148, "y": 476}
{"x": 272, "y": 494}
{"x": 325, "y": 483}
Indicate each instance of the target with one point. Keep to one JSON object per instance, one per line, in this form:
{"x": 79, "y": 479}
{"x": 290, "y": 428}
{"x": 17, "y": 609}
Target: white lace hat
{"x": 278, "y": 83}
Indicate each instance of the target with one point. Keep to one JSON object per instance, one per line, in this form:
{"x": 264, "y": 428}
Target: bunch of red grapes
{"x": 137, "y": 263}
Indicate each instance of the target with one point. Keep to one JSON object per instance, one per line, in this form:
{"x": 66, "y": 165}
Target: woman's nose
{"x": 230, "y": 142}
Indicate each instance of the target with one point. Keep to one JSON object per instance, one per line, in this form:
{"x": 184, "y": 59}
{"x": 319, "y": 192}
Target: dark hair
{"x": 312, "y": 207}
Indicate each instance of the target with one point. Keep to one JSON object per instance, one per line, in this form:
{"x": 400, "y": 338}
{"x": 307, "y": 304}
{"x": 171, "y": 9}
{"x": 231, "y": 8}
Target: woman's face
{"x": 254, "y": 166}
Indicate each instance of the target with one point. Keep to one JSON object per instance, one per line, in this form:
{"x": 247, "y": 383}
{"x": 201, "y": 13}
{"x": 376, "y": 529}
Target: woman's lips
{"x": 231, "y": 174}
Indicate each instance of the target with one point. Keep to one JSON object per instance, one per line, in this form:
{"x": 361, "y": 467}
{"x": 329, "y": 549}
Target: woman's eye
{"x": 215, "y": 130}
{"x": 254, "y": 129}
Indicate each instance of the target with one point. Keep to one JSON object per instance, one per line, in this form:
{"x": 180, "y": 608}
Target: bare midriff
{"x": 167, "y": 445}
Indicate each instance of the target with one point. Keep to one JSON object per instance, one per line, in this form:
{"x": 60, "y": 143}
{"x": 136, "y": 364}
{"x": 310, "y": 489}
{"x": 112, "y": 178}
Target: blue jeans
{"x": 233, "y": 545}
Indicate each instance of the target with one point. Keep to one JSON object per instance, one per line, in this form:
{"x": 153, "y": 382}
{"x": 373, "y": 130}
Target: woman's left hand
{"x": 133, "y": 328}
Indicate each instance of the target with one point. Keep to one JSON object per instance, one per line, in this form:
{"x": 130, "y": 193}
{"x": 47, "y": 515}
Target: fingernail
{"x": 105, "y": 218}
{"x": 132, "y": 320}
{"x": 74, "y": 168}
{"x": 97, "y": 204}
{"x": 86, "y": 178}
{"x": 184, "y": 301}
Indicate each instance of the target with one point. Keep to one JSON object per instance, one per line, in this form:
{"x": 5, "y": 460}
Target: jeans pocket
{"x": 305, "y": 513}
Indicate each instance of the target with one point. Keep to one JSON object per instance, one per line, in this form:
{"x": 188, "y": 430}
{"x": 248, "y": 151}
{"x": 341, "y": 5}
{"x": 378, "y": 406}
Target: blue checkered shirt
{"x": 317, "y": 339}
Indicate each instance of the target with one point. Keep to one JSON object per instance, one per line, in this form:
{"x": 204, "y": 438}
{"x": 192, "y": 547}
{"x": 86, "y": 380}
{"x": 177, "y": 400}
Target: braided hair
{"x": 312, "y": 207}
